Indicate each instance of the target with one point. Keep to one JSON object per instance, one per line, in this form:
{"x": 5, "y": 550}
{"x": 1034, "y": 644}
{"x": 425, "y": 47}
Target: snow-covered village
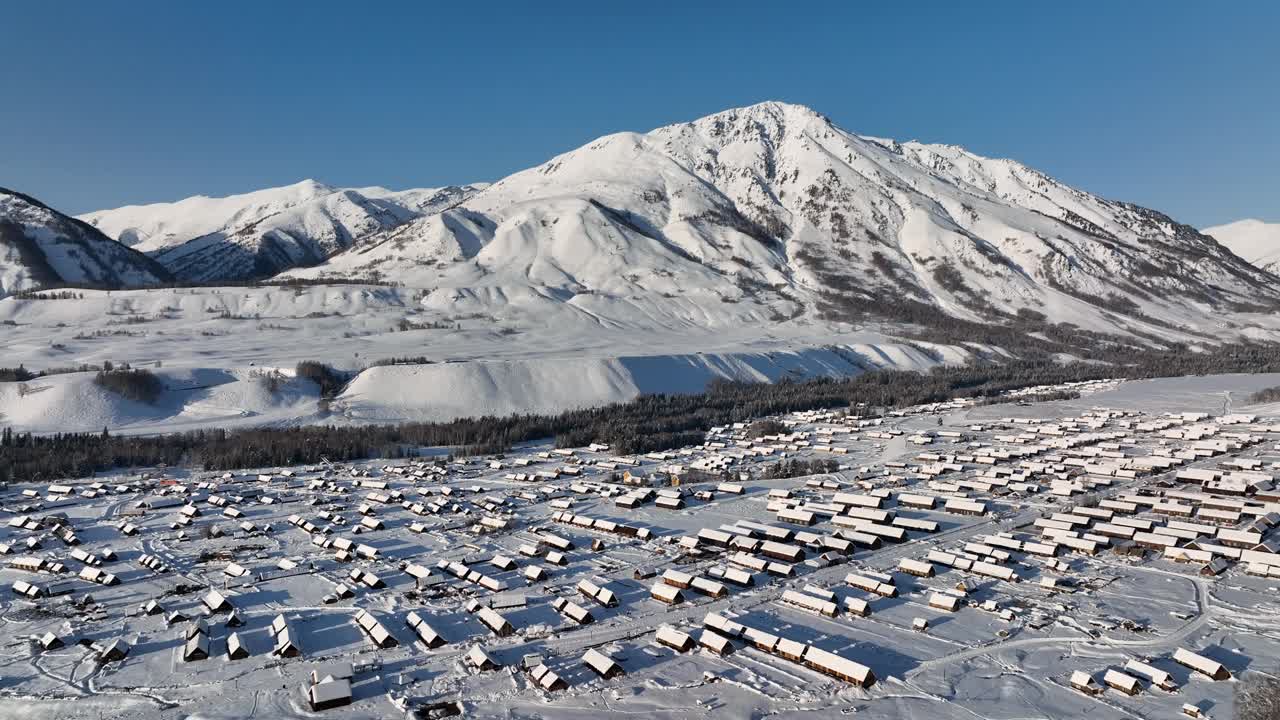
{"x": 582, "y": 361}
{"x": 940, "y": 560}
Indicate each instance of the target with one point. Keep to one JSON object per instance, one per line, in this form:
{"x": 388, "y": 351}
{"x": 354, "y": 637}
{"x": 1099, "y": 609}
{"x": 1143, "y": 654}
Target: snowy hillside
{"x": 41, "y": 247}
{"x": 192, "y": 398}
{"x": 771, "y": 207}
{"x": 260, "y": 233}
{"x": 1254, "y": 240}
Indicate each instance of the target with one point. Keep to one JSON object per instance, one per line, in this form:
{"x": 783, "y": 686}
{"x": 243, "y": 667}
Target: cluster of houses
{"x": 998, "y": 504}
{"x": 1129, "y": 679}
{"x": 824, "y": 661}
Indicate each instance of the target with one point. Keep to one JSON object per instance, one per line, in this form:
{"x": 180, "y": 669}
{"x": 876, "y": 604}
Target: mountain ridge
{"x": 41, "y": 247}
{"x": 257, "y": 234}
{"x": 777, "y": 198}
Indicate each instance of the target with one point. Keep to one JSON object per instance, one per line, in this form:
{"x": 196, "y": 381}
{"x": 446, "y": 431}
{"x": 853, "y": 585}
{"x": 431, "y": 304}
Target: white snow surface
{"x": 1254, "y": 240}
{"x": 442, "y": 392}
{"x": 193, "y": 398}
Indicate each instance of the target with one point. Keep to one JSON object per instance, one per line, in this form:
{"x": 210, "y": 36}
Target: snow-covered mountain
{"x": 258, "y": 234}
{"x": 756, "y": 216}
{"x": 1254, "y": 240}
{"x": 41, "y": 247}
{"x": 772, "y": 212}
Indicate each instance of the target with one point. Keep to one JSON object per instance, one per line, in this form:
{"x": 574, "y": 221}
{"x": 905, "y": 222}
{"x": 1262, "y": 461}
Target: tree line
{"x": 134, "y": 384}
{"x": 796, "y": 467}
{"x": 1266, "y": 395}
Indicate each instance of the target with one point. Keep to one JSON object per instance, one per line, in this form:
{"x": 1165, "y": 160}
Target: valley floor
{"x": 973, "y": 662}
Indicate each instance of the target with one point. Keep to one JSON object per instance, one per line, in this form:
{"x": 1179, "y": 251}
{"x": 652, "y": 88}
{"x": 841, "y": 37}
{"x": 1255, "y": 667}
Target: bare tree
{"x": 1258, "y": 698}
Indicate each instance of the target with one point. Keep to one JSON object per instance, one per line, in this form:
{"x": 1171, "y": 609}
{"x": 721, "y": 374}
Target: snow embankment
{"x": 192, "y": 399}
{"x": 446, "y": 391}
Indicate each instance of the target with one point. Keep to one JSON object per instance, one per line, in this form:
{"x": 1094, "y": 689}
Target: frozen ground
{"x": 1197, "y": 393}
{"x": 973, "y": 662}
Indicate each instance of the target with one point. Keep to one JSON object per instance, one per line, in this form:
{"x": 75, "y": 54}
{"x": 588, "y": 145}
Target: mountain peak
{"x": 313, "y": 186}
{"x": 771, "y": 112}
{"x": 1254, "y": 240}
{"x": 1244, "y": 223}
{"x": 770, "y": 208}
{"x": 777, "y": 108}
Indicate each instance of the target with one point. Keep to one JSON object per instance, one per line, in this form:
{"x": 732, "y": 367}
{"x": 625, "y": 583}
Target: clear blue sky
{"x": 1174, "y": 105}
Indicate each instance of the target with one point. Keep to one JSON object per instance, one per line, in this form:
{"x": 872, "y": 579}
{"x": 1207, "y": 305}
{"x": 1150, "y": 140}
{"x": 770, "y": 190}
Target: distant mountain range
{"x": 1254, "y": 240}
{"x": 259, "y": 234}
{"x": 762, "y": 214}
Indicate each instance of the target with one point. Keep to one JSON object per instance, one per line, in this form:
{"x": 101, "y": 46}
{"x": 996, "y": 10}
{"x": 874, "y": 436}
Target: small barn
{"x": 50, "y": 641}
{"x": 1201, "y": 664}
{"x": 943, "y": 601}
{"x": 375, "y": 630}
{"x": 196, "y": 648}
{"x": 547, "y": 680}
{"x": 1085, "y": 683}
{"x": 831, "y": 664}
{"x": 114, "y": 651}
{"x": 715, "y": 642}
{"x": 915, "y": 567}
{"x": 496, "y": 623}
{"x": 286, "y": 645}
{"x": 1123, "y": 682}
{"x": 674, "y": 639}
{"x": 668, "y": 594}
{"x": 329, "y": 693}
{"x": 601, "y": 664}
{"x": 216, "y": 602}
{"x": 425, "y": 633}
{"x": 479, "y": 659}
{"x": 236, "y": 648}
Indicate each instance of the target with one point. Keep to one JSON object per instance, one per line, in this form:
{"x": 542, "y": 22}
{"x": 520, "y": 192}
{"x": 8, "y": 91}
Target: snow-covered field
{"x": 1196, "y": 393}
{"x": 1008, "y": 650}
